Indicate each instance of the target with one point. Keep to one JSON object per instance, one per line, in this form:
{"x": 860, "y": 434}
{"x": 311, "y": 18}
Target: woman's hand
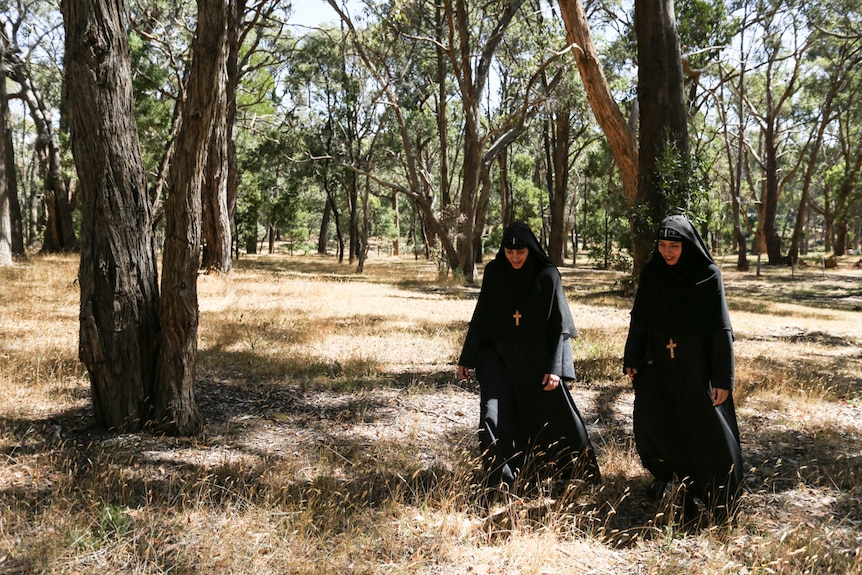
{"x": 550, "y": 382}
{"x": 463, "y": 373}
{"x": 719, "y": 396}
{"x": 631, "y": 372}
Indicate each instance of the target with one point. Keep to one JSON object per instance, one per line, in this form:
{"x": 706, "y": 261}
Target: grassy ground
{"x": 338, "y": 439}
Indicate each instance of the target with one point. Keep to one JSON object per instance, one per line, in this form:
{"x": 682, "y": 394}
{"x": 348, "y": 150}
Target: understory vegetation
{"x": 339, "y": 440}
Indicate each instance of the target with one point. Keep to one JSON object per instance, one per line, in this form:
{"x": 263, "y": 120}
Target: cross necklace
{"x": 517, "y": 315}
{"x": 671, "y": 344}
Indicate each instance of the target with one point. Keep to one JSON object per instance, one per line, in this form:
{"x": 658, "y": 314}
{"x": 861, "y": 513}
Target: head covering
{"x": 677, "y": 297}
{"x": 695, "y": 255}
{"x": 518, "y": 235}
{"x": 505, "y": 289}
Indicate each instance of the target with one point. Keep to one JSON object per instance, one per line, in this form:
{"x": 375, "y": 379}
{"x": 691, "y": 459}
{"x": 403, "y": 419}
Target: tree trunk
{"x": 506, "y": 214}
{"x": 396, "y": 244}
{"x": 324, "y": 228}
{"x": 442, "y": 110}
{"x": 471, "y": 72}
{"x": 16, "y": 221}
{"x": 214, "y": 209}
{"x": 59, "y": 233}
{"x": 220, "y": 186}
{"x": 736, "y": 191}
{"x": 119, "y": 304}
{"x": 5, "y": 192}
{"x": 339, "y": 237}
{"x": 621, "y": 137}
{"x": 176, "y": 411}
{"x": 557, "y": 204}
{"x": 770, "y": 204}
{"x": 663, "y": 122}
{"x": 811, "y": 170}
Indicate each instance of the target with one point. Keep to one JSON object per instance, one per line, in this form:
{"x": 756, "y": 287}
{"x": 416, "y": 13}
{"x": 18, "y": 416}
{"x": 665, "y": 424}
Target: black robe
{"x": 523, "y": 429}
{"x": 680, "y": 342}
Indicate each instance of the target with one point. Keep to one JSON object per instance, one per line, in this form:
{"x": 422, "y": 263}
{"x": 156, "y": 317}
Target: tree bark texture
{"x": 622, "y": 139}
{"x": 663, "y": 121}
{"x": 214, "y": 195}
{"x": 16, "y": 214}
{"x": 176, "y": 410}
{"x": 119, "y": 307}
{"x": 10, "y": 178}
{"x": 560, "y": 166}
{"x": 5, "y": 195}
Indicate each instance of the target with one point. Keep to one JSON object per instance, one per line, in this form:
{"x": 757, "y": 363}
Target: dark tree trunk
{"x": 338, "y": 235}
{"x": 662, "y": 114}
{"x": 214, "y": 209}
{"x": 16, "y": 215}
{"x": 770, "y": 204}
{"x": 119, "y": 306}
{"x": 324, "y": 228}
{"x": 396, "y": 244}
{"x": 442, "y": 109}
{"x": 560, "y": 166}
{"x": 176, "y": 410}
{"x": 472, "y": 74}
{"x": 505, "y": 189}
{"x": 5, "y": 192}
{"x": 59, "y": 234}
{"x": 16, "y": 222}
{"x": 220, "y": 185}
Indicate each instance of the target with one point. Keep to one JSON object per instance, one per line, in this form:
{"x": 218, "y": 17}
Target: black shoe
{"x": 693, "y": 512}
{"x": 657, "y": 490}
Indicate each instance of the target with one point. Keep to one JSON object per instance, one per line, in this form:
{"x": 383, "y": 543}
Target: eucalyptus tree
{"x": 30, "y": 32}
{"x": 119, "y": 303}
{"x": 828, "y": 90}
{"x": 139, "y": 345}
{"x": 843, "y": 203}
{"x": 5, "y": 193}
{"x": 11, "y": 219}
{"x": 474, "y": 37}
{"x": 390, "y": 61}
{"x": 174, "y": 399}
{"x": 537, "y": 88}
{"x": 308, "y": 89}
{"x": 731, "y": 126}
{"x": 161, "y": 35}
{"x": 621, "y": 136}
{"x": 327, "y": 90}
{"x": 837, "y": 55}
{"x": 774, "y": 81}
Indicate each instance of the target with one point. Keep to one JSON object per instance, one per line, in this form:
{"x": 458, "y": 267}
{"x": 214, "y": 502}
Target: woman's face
{"x": 670, "y": 251}
{"x": 517, "y": 257}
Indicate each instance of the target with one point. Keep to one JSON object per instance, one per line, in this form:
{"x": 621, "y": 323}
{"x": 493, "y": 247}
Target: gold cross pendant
{"x": 671, "y": 345}
{"x": 517, "y": 317}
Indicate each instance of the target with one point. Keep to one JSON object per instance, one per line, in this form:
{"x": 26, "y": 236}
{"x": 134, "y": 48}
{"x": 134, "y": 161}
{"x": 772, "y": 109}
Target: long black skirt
{"x": 680, "y": 436}
{"x": 525, "y": 432}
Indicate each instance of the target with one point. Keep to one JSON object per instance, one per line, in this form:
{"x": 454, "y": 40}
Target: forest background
{"x": 406, "y": 126}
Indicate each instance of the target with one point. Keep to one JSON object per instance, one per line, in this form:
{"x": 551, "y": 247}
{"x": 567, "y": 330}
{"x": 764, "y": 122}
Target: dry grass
{"x": 338, "y": 440}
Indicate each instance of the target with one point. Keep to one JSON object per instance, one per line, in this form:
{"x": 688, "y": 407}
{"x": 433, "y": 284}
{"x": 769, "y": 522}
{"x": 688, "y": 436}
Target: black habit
{"x": 680, "y": 342}
{"x": 519, "y": 332}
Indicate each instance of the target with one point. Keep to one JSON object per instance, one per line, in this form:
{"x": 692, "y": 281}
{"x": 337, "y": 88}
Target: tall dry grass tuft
{"x": 338, "y": 439}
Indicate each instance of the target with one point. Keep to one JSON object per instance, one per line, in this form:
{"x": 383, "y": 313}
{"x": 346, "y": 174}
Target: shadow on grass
{"x": 833, "y": 291}
{"x": 330, "y": 473}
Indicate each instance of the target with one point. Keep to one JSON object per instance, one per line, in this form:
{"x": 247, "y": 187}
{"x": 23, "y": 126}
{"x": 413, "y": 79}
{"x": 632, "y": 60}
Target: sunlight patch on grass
{"x": 338, "y": 441}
